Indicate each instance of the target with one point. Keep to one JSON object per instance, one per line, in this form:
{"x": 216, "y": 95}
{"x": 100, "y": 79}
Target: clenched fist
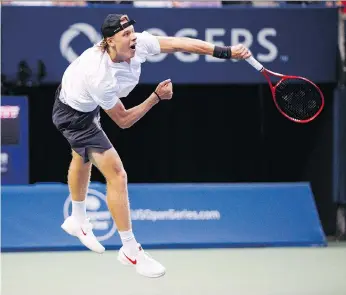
{"x": 239, "y": 51}
{"x": 165, "y": 89}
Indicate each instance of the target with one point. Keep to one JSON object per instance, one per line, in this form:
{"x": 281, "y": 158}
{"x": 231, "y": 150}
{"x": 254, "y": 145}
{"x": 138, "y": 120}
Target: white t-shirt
{"x": 94, "y": 80}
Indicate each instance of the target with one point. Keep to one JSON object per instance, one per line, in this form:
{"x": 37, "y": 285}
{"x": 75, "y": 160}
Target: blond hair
{"x": 104, "y": 45}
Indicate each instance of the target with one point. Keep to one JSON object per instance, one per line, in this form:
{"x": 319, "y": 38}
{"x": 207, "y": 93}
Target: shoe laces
{"x": 144, "y": 254}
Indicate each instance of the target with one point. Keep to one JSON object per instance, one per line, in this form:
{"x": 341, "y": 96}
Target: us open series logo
{"x": 104, "y": 226}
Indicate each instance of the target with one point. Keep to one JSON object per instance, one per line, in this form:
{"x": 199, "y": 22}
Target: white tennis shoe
{"x": 144, "y": 264}
{"x": 83, "y": 231}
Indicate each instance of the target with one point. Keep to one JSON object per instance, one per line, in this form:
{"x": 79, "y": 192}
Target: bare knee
{"x": 110, "y": 165}
{"x": 117, "y": 187}
{"x": 117, "y": 176}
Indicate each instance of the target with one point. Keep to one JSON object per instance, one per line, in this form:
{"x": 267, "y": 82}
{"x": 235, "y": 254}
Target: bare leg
{"x": 77, "y": 224}
{"x": 110, "y": 165}
{"x": 78, "y": 182}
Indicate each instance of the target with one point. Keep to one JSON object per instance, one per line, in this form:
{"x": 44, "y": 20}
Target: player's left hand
{"x": 239, "y": 51}
{"x": 165, "y": 89}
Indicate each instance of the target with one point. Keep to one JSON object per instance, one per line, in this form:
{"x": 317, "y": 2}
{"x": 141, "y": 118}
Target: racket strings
{"x": 298, "y": 98}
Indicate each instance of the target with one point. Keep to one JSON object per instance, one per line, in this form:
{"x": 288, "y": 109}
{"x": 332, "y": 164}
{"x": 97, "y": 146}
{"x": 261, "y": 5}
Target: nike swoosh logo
{"x": 83, "y": 232}
{"x": 129, "y": 259}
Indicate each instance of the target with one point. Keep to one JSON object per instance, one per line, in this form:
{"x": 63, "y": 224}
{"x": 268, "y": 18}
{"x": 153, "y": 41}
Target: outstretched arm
{"x": 190, "y": 45}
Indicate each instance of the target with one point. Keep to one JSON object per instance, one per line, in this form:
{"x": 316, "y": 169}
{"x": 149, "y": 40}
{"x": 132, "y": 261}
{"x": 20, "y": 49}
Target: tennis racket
{"x": 297, "y": 98}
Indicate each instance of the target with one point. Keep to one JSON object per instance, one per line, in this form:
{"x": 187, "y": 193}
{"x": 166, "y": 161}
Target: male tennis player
{"x": 97, "y": 79}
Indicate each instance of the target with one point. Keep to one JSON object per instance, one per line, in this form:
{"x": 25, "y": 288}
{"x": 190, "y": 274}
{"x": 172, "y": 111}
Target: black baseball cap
{"x": 111, "y": 25}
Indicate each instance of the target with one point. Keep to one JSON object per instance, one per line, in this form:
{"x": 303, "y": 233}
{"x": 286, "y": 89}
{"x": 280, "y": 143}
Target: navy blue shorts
{"x": 82, "y": 130}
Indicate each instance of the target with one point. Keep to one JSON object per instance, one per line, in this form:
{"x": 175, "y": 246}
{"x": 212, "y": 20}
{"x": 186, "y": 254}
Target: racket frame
{"x": 266, "y": 73}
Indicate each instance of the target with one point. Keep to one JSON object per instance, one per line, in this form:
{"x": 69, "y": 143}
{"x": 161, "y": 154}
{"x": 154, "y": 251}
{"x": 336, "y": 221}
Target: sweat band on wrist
{"x": 223, "y": 52}
{"x": 157, "y": 96}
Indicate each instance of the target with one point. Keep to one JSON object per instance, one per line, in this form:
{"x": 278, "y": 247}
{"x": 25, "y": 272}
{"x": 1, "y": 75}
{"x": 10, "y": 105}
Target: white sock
{"x": 79, "y": 210}
{"x": 129, "y": 242}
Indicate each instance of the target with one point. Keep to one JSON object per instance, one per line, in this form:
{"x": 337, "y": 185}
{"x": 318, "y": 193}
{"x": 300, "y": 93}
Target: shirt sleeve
{"x": 149, "y": 43}
{"x": 103, "y": 90}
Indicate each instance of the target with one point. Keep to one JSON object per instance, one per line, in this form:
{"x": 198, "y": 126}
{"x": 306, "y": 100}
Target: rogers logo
{"x": 72, "y": 32}
{"x": 104, "y": 226}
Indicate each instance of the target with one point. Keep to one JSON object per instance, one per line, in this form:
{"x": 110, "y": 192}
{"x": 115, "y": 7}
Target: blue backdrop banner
{"x": 339, "y": 146}
{"x": 14, "y": 140}
{"x": 167, "y": 216}
{"x": 287, "y": 40}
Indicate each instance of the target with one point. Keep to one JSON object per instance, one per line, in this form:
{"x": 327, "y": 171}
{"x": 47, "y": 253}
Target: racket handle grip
{"x": 252, "y": 61}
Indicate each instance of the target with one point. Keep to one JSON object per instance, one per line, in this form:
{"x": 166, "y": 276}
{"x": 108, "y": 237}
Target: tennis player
{"x": 99, "y": 78}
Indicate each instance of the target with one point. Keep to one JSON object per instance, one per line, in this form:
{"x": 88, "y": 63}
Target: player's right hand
{"x": 239, "y": 51}
{"x": 165, "y": 89}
